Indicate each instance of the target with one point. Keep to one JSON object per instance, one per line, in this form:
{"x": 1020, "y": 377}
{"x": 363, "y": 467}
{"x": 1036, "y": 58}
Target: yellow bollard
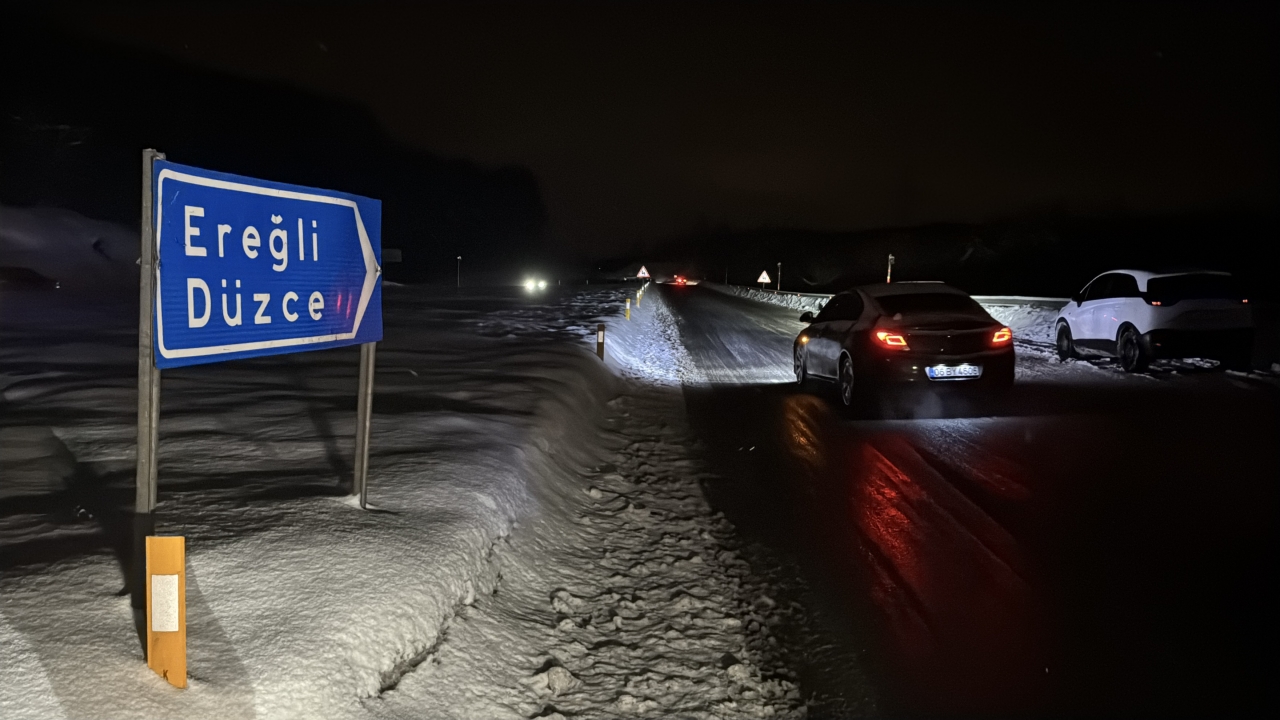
{"x": 167, "y": 608}
{"x": 628, "y": 308}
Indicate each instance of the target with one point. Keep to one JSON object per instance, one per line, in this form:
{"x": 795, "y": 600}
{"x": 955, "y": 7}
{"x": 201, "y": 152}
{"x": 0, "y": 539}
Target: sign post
{"x": 364, "y": 417}
{"x": 763, "y": 279}
{"x": 888, "y": 275}
{"x": 234, "y": 267}
{"x": 643, "y": 274}
{"x": 148, "y": 390}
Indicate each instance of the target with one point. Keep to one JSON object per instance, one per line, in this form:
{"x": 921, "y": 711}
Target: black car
{"x": 922, "y": 333}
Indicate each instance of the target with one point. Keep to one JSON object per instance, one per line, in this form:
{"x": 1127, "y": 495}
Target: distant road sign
{"x": 252, "y": 267}
{"x": 764, "y": 277}
{"x": 643, "y": 273}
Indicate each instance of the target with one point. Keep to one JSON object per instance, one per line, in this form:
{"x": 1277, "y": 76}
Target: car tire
{"x": 1066, "y": 344}
{"x": 800, "y": 366}
{"x": 1133, "y": 357}
{"x": 845, "y": 382}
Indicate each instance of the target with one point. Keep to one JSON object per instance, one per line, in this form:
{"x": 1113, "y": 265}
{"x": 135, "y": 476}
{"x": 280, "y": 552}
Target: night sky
{"x": 645, "y": 120}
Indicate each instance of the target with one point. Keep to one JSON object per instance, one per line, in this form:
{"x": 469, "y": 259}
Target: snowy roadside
{"x": 626, "y": 598}
{"x": 506, "y": 544}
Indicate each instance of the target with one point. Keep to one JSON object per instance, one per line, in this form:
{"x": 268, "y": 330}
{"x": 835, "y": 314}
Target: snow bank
{"x": 795, "y": 301}
{"x": 1033, "y": 320}
{"x": 648, "y": 346}
{"x": 299, "y": 604}
{"x": 79, "y": 253}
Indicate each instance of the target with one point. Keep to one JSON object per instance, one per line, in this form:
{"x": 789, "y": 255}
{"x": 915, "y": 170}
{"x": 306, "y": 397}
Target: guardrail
{"x": 992, "y": 299}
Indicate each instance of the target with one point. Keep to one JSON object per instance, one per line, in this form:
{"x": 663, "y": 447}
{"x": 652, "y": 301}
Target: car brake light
{"x": 1244, "y": 300}
{"x": 1003, "y": 336}
{"x": 891, "y": 340}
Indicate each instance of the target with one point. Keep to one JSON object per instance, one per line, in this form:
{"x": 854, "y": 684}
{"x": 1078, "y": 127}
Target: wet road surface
{"x": 1095, "y": 544}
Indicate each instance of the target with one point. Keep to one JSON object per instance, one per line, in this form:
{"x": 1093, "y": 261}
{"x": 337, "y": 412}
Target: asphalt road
{"x": 1095, "y": 544}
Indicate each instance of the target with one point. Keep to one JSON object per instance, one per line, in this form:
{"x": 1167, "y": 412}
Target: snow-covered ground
{"x": 80, "y": 253}
{"x": 539, "y": 544}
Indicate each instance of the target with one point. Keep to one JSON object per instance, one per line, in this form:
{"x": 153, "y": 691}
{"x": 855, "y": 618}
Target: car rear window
{"x": 1196, "y": 286}
{"x": 928, "y": 302}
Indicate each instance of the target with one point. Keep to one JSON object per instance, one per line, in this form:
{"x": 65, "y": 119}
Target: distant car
{"x": 924, "y": 333}
{"x": 1139, "y": 315}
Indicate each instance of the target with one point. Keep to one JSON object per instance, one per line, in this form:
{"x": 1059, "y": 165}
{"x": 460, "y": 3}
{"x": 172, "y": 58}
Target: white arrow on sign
{"x": 764, "y": 277}
{"x": 643, "y": 273}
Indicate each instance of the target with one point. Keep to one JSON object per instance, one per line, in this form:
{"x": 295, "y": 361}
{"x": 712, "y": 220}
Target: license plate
{"x": 953, "y": 372}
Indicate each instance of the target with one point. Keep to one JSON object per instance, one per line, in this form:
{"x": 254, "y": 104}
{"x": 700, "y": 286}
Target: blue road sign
{"x": 251, "y": 267}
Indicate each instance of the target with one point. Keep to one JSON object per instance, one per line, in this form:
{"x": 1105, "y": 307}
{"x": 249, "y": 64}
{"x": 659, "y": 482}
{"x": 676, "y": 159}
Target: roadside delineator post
{"x": 600, "y": 340}
{"x": 628, "y": 308}
{"x": 167, "y": 608}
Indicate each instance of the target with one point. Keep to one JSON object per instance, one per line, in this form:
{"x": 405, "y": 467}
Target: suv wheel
{"x": 844, "y": 383}
{"x": 1133, "y": 358}
{"x": 1066, "y": 344}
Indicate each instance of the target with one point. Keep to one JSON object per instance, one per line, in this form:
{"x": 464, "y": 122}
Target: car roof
{"x": 910, "y": 288}
{"x": 1142, "y": 276}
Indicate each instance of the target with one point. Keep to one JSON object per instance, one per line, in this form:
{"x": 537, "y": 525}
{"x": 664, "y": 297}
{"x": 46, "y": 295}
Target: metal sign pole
{"x": 148, "y": 389}
{"x": 364, "y": 415}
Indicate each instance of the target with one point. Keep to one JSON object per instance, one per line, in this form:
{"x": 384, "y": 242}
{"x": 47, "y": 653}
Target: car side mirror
{"x": 807, "y": 317}
{"x": 1077, "y": 299}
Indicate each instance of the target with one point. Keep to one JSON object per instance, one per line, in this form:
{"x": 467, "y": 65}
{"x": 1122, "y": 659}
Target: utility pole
{"x": 779, "y": 286}
{"x": 459, "y": 271}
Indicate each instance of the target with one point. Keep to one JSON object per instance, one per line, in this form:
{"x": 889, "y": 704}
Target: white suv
{"x": 1138, "y": 315}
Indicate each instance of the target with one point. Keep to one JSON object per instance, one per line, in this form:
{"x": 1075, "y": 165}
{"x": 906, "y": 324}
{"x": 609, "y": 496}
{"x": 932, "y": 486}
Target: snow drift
{"x": 80, "y": 253}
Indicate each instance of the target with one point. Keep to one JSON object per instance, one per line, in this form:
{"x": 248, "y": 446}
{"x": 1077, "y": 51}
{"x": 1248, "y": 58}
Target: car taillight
{"x": 891, "y": 340}
{"x": 1003, "y": 336}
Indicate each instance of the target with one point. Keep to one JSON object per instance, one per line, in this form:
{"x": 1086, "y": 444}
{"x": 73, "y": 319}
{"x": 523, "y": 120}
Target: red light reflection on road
{"x": 946, "y": 581}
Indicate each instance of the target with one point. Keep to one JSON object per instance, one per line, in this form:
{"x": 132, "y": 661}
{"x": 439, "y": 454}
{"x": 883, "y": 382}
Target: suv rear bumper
{"x": 1212, "y": 344}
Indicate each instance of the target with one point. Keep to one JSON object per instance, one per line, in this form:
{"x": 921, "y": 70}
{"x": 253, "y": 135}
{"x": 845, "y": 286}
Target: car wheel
{"x": 801, "y": 370}
{"x": 1133, "y": 358}
{"x": 1066, "y": 344}
{"x": 844, "y": 383}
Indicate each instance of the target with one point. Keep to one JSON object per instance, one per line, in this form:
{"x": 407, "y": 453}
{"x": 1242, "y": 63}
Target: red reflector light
{"x": 891, "y": 340}
{"x": 1003, "y": 336}
{"x": 1157, "y": 303}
